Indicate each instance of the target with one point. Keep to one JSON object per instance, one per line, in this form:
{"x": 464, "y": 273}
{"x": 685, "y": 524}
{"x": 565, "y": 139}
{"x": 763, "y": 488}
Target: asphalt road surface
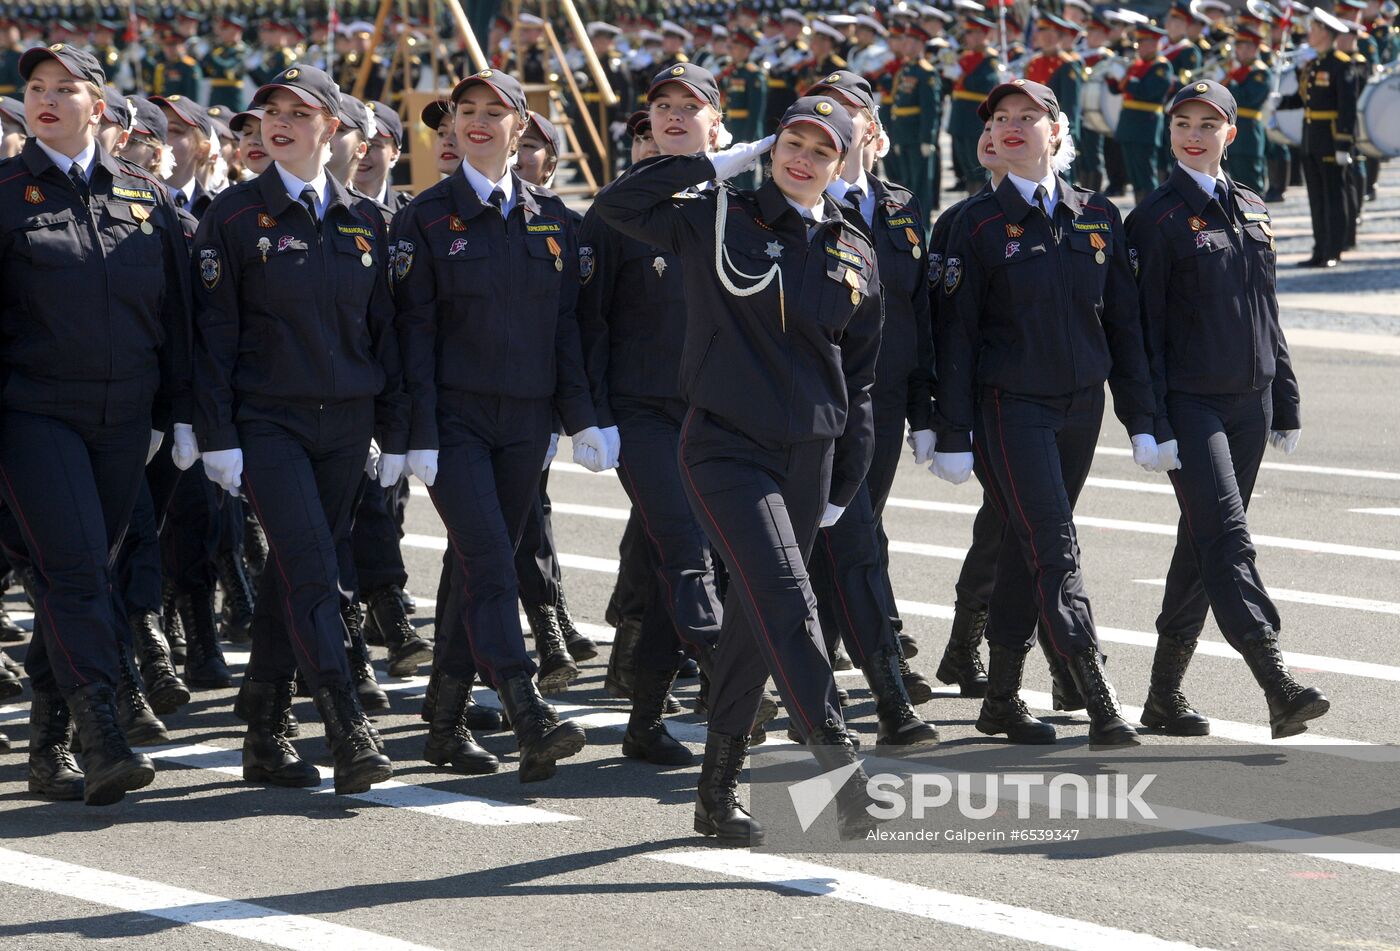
{"x": 603, "y": 855}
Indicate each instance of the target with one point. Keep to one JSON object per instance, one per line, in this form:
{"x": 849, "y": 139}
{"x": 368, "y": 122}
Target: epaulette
{"x": 1341, "y": 57}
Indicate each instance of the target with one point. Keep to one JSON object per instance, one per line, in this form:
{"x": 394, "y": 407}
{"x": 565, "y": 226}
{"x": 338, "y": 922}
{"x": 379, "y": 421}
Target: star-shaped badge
{"x": 774, "y": 250}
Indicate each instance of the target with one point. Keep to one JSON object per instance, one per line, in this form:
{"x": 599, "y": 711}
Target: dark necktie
{"x": 80, "y": 182}
{"x": 1042, "y": 200}
{"x": 855, "y": 195}
{"x": 308, "y": 198}
{"x": 498, "y": 201}
{"x": 1222, "y": 195}
{"x": 180, "y": 200}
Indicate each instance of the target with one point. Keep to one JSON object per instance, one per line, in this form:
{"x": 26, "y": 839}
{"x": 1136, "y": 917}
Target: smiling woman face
{"x": 488, "y": 130}
{"x": 62, "y": 111}
{"x": 448, "y": 155}
{"x": 987, "y": 155}
{"x": 680, "y": 123}
{"x": 251, "y": 148}
{"x": 1022, "y": 134}
{"x": 805, "y": 162}
{"x": 294, "y": 133}
{"x": 1199, "y": 137}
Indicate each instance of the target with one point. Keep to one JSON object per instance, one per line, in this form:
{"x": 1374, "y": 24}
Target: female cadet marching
{"x": 1039, "y": 310}
{"x": 849, "y": 564}
{"x": 486, "y": 280}
{"x": 95, "y": 330}
{"x": 296, "y": 368}
{"x": 782, "y": 333}
{"x": 1203, "y": 248}
{"x": 632, "y": 314}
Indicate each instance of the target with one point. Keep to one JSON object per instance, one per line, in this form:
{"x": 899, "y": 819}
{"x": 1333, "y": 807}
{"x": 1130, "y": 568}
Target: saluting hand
{"x": 740, "y": 158}
{"x": 954, "y": 467}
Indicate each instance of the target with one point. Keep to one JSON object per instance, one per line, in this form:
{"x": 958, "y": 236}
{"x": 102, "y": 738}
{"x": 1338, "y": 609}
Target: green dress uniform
{"x": 9, "y": 73}
{"x": 1089, "y": 166}
{"x": 782, "y": 78}
{"x": 1327, "y": 95}
{"x": 1067, "y": 83}
{"x": 223, "y": 66}
{"x": 914, "y": 115}
{"x": 274, "y": 62}
{"x": 1186, "y": 61}
{"x": 1250, "y": 84}
{"x": 173, "y": 77}
{"x": 981, "y": 72}
{"x": 1146, "y": 89}
{"x": 743, "y": 90}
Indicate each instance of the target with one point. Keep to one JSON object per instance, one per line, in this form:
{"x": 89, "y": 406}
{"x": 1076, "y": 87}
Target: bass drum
{"x": 1101, "y": 105}
{"x": 1378, "y": 118}
{"x": 1285, "y": 126}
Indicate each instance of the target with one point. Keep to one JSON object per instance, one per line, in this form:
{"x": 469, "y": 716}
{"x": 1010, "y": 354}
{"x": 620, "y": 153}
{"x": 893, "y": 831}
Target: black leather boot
{"x": 10, "y": 683}
{"x": 140, "y": 724}
{"x": 1106, "y": 724}
{"x": 358, "y": 762}
{"x": 164, "y": 688}
{"x": 768, "y": 711}
{"x": 1003, "y": 711}
{"x": 268, "y": 755}
{"x": 962, "y": 660}
{"x": 717, "y": 809}
{"x": 839, "y": 660}
{"x": 254, "y": 544}
{"x": 622, "y": 662}
{"x": 579, "y": 645}
{"x": 1064, "y": 692}
{"x": 174, "y": 630}
{"x": 407, "y": 651}
{"x": 557, "y": 668}
{"x": 899, "y": 726}
{"x": 646, "y": 737}
{"x": 450, "y": 742}
{"x": 204, "y": 661}
{"x": 53, "y": 773}
{"x": 1166, "y": 708}
{"x": 477, "y": 717}
{"x": 542, "y": 737}
{"x": 110, "y": 768}
{"x": 832, "y": 747}
{"x": 372, "y": 696}
{"x": 916, "y": 685}
{"x": 1291, "y": 704}
{"x": 10, "y": 632}
{"x": 238, "y": 598}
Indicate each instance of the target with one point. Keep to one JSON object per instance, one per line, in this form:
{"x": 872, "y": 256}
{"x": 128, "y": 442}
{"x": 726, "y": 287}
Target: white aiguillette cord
{"x": 722, "y": 259}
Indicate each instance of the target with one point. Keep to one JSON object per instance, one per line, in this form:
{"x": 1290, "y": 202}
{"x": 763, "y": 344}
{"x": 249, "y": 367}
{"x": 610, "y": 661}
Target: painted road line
{"x": 434, "y": 802}
{"x": 1313, "y": 597}
{"x": 964, "y": 911}
{"x": 1114, "y": 635}
{"x": 1131, "y": 485}
{"x": 181, "y": 905}
{"x": 1390, "y": 513}
{"x": 1292, "y": 467}
{"x": 13, "y": 714}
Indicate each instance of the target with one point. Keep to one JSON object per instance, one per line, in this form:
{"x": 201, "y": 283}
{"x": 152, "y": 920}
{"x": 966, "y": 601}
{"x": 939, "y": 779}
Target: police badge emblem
{"x": 210, "y": 268}
{"x": 585, "y": 262}
{"x": 403, "y": 260}
{"x": 659, "y": 265}
{"x": 952, "y": 275}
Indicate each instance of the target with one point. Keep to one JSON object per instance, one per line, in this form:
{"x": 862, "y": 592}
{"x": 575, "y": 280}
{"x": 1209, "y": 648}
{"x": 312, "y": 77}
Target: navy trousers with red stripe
{"x": 1033, "y": 454}
{"x": 536, "y": 559}
{"x": 375, "y": 537}
{"x": 683, "y": 610}
{"x": 760, "y": 506}
{"x": 71, "y": 480}
{"x": 302, "y": 468}
{"x": 1221, "y": 440}
{"x": 849, "y": 564}
{"x": 491, "y": 449}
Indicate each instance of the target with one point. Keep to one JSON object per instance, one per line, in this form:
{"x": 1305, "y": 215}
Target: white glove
{"x": 1167, "y": 456}
{"x": 1145, "y": 452}
{"x": 614, "y": 440}
{"x": 926, "y": 149}
{"x": 591, "y": 449}
{"x": 391, "y": 466}
{"x": 923, "y": 442}
{"x": 551, "y": 452}
{"x": 186, "y": 450}
{"x": 1285, "y": 439}
{"x": 372, "y": 460}
{"x": 157, "y": 437}
{"x": 423, "y": 463}
{"x": 832, "y": 515}
{"x": 954, "y": 467}
{"x": 225, "y": 467}
{"x": 1344, "y": 158}
{"x": 740, "y": 158}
